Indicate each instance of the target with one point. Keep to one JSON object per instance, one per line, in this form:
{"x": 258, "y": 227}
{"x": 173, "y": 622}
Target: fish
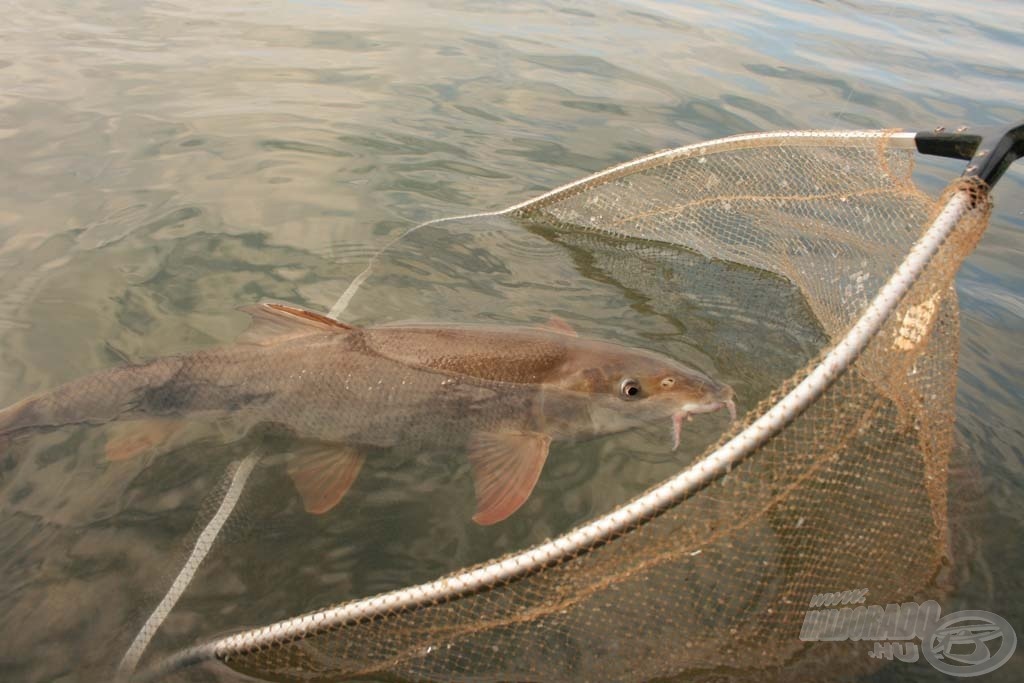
{"x": 503, "y": 392}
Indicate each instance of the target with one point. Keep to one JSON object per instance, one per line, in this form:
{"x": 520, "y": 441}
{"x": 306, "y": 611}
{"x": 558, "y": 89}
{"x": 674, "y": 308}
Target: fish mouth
{"x": 688, "y": 410}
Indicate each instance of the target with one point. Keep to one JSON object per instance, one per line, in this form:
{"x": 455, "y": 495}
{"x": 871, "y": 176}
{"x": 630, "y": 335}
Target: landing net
{"x": 836, "y": 481}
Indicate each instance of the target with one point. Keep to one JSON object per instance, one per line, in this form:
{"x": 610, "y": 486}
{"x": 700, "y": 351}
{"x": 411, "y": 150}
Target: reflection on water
{"x": 167, "y": 162}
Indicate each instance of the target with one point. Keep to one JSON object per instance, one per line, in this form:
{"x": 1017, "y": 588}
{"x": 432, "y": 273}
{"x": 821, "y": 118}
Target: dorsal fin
{"x": 273, "y": 323}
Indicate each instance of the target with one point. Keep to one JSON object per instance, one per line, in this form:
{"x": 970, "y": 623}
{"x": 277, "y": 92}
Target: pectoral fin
{"x": 323, "y": 474}
{"x": 506, "y": 466}
{"x": 127, "y": 439}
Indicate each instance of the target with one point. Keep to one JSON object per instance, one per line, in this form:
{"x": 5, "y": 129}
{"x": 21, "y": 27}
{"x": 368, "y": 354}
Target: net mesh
{"x": 850, "y": 494}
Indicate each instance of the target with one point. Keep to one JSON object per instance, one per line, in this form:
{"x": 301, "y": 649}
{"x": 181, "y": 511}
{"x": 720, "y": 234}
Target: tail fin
{"x": 15, "y": 418}
{"x": 18, "y": 416}
{"x": 93, "y": 399}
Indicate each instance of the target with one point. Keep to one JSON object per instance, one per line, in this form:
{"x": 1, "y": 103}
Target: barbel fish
{"x": 504, "y": 392}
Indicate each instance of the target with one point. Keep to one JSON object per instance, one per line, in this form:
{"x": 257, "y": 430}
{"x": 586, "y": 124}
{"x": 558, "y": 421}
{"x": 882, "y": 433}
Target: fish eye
{"x": 667, "y": 382}
{"x": 629, "y": 388}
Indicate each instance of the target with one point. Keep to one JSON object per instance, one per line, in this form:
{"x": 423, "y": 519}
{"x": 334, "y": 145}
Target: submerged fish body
{"x": 503, "y": 392}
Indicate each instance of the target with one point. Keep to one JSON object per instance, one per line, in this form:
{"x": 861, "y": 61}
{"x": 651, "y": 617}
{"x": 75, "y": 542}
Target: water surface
{"x": 164, "y": 163}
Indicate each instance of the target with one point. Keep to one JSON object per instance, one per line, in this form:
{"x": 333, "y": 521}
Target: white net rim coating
{"x": 665, "y": 496}
{"x": 238, "y": 478}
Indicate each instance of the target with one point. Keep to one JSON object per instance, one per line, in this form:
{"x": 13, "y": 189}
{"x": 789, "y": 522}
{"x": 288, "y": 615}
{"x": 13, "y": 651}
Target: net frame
{"x": 672, "y": 492}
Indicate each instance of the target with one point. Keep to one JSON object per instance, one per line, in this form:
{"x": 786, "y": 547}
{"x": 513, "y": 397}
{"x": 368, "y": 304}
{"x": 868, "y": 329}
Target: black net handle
{"x": 989, "y": 150}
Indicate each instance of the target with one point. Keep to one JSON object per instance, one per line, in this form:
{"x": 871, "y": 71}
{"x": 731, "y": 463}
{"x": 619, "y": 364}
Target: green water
{"x": 163, "y": 163}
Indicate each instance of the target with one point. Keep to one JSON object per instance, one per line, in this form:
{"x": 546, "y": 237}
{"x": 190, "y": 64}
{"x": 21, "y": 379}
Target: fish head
{"x": 624, "y": 388}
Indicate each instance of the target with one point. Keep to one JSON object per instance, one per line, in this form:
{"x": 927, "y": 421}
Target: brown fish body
{"x": 502, "y": 392}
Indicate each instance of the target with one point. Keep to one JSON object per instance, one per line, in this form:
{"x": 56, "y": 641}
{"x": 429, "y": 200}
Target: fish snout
{"x": 688, "y": 409}
{"x": 726, "y": 397}
{"x": 723, "y": 398}
{"x": 731, "y": 405}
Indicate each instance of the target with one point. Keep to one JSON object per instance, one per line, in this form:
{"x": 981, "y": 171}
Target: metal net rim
{"x": 645, "y": 507}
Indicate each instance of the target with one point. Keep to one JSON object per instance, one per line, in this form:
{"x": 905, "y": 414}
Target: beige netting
{"x": 851, "y": 493}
